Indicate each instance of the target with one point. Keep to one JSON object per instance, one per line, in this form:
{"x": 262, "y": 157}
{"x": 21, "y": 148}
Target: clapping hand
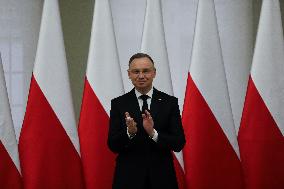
{"x": 131, "y": 124}
{"x": 148, "y": 123}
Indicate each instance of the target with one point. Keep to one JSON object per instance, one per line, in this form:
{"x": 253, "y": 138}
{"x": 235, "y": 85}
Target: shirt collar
{"x": 138, "y": 94}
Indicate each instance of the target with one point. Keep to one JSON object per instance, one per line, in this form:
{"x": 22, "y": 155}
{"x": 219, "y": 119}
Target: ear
{"x": 154, "y": 73}
{"x": 128, "y": 73}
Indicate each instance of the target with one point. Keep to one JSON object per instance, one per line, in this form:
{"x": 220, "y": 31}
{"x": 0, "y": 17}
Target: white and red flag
{"x": 49, "y": 144}
{"x": 103, "y": 82}
{"x": 154, "y": 44}
{"x": 261, "y": 133}
{"x": 9, "y": 158}
{"x": 211, "y": 154}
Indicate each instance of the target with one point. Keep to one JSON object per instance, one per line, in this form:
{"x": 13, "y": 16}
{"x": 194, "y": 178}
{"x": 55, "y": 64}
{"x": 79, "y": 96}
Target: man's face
{"x": 142, "y": 72}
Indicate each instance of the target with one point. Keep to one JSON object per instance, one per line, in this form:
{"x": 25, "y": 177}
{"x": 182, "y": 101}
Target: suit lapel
{"x": 134, "y": 109}
{"x": 133, "y": 106}
{"x": 155, "y": 103}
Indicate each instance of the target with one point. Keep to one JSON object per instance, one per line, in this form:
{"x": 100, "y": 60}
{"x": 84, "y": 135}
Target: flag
{"x": 9, "y": 158}
{"x": 154, "y": 44}
{"x": 49, "y": 144}
{"x": 211, "y": 154}
{"x": 262, "y": 126}
{"x": 103, "y": 82}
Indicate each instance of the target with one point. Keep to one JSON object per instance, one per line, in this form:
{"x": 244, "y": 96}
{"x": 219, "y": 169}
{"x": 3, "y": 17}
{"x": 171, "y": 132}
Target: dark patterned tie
{"x": 145, "y": 104}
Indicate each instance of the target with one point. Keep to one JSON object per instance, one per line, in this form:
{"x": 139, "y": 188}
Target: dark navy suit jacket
{"x": 141, "y": 159}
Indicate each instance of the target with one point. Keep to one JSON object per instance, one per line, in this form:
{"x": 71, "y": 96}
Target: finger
{"x": 132, "y": 126}
{"x": 127, "y": 115}
{"x": 147, "y": 113}
{"x": 127, "y": 120}
{"x": 143, "y": 116}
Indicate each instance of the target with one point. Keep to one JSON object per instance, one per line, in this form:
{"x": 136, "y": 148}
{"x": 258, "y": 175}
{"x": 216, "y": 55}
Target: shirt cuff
{"x": 155, "y": 136}
{"x": 130, "y": 136}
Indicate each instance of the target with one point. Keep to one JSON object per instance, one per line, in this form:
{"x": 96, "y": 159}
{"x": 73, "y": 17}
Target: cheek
{"x": 135, "y": 80}
{"x": 150, "y": 78}
{"x": 132, "y": 78}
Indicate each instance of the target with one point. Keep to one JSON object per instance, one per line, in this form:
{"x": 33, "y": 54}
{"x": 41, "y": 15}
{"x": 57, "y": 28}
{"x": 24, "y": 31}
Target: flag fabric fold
{"x": 154, "y": 44}
{"x": 48, "y": 143}
{"x": 103, "y": 82}
{"x": 211, "y": 154}
{"x": 262, "y": 126}
{"x": 10, "y": 176}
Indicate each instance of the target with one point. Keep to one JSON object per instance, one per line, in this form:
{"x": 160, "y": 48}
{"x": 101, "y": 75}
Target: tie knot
{"x": 144, "y": 97}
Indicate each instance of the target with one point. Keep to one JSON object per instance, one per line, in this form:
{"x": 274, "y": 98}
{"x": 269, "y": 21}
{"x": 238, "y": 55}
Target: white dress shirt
{"x": 140, "y": 102}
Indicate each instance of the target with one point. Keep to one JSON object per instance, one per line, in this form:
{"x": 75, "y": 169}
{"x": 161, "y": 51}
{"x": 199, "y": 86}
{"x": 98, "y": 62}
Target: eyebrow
{"x": 141, "y": 69}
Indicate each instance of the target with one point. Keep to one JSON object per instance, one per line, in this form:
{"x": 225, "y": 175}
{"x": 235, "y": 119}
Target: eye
{"x": 146, "y": 71}
{"x": 135, "y": 71}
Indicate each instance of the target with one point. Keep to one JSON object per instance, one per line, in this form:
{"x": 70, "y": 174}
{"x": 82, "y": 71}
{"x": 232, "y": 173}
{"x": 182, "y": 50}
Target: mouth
{"x": 141, "y": 82}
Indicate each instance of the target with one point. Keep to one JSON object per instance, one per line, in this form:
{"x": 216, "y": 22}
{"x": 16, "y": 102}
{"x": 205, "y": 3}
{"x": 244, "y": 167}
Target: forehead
{"x": 141, "y": 63}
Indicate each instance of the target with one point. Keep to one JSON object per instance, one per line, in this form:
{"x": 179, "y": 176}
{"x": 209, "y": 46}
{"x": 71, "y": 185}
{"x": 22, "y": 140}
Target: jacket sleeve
{"x": 174, "y": 139}
{"x": 118, "y": 140}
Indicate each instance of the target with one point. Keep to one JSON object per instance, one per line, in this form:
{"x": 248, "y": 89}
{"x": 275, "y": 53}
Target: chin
{"x": 140, "y": 87}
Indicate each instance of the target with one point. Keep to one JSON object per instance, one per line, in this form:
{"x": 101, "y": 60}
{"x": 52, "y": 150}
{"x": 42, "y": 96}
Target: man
{"x": 144, "y": 130}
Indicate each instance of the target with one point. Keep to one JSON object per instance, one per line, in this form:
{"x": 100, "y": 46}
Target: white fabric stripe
{"x": 207, "y": 69}
{"x": 268, "y": 61}
{"x": 154, "y": 44}
{"x": 237, "y": 49}
{"x": 7, "y": 133}
{"x": 51, "y": 72}
{"x": 103, "y": 69}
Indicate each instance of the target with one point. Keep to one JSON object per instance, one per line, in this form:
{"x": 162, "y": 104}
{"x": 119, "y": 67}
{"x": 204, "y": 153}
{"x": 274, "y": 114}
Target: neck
{"x": 143, "y": 91}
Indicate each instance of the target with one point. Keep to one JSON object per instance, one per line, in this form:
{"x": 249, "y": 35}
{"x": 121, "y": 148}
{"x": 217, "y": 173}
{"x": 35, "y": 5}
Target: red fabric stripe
{"x": 48, "y": 157}
{"x": 261, "y": 144}
{"x": 10, "y": 177}
{"x": 98, "y": 160}
{"x": 210, "y": 161}
{"x": 179, "y": 174}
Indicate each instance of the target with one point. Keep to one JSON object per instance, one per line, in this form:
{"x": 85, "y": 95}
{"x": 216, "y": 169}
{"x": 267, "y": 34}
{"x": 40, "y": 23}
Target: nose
{"x": 141, "y": 75}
